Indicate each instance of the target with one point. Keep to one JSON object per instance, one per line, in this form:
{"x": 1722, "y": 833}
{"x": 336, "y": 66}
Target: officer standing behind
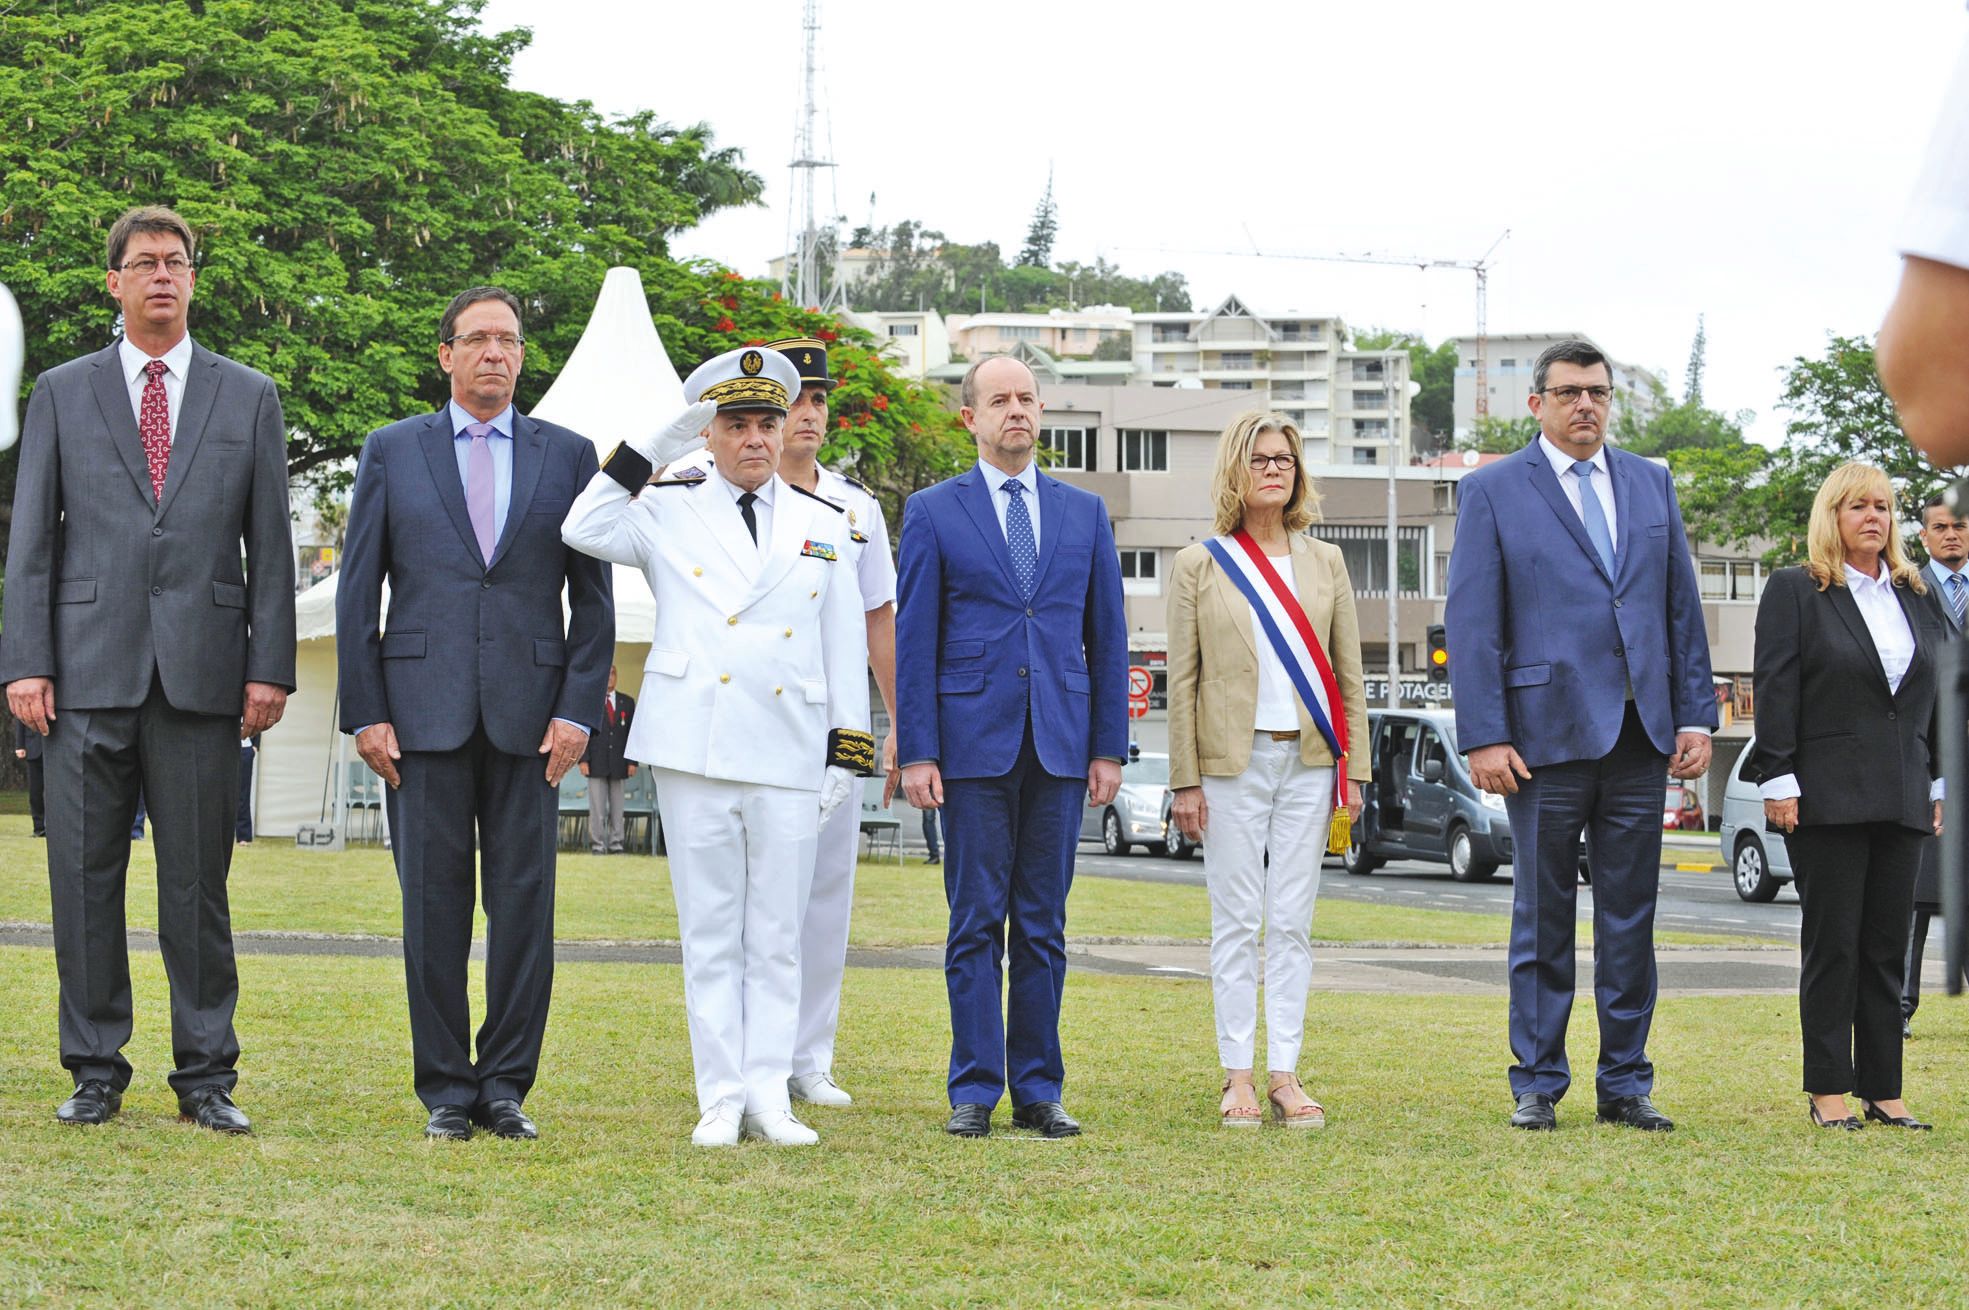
{"x": 755, "y": 714}
{"x": 607, "y": 767}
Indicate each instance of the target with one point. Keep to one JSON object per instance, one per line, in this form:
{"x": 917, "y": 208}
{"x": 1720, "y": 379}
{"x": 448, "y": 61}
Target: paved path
{"x": 1438, "y": 970}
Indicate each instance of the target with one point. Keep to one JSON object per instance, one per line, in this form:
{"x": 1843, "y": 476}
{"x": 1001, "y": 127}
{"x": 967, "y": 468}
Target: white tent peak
{"x": 618, "y": 381}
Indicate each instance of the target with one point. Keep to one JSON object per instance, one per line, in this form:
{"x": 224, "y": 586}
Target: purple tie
{"x": 478, "y": 487}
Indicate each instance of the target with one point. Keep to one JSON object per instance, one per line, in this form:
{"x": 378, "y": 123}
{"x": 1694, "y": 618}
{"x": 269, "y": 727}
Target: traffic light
{"x": 1438, "y": 654}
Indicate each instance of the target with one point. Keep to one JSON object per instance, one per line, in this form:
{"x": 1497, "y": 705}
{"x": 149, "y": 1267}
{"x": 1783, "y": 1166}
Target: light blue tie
{"x": 1018, "y": 538}
{"x": 1956, "y": 599}
{"x": 1594, "y": 513}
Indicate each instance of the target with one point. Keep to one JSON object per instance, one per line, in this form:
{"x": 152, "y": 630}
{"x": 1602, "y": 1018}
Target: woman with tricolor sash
{"x": 1264, "y": 698}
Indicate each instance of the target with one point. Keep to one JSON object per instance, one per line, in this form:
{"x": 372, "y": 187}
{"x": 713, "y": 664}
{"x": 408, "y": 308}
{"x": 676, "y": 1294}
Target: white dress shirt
{"x": 762, "y": 506}
{"x": 177, "y": 361}
{"x": 1893, "y": 639}
{"x": 1569, "y": 482}
{"x": 1278, "y": 699}
{"x": 995, "y": 480}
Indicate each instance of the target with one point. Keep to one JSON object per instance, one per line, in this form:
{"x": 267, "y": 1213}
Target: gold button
{"x": 732, "y": 622}
{"x": 697, "y": 573}
{"x": 789, "y": 632}
{"x": 778, "y": 690}
{"x": 812, "y": 594}
{"x": 724, "y": 677}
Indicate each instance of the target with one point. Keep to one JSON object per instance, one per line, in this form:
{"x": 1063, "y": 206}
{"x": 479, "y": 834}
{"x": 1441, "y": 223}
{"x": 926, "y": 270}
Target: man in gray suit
{"x": 138, "y": 646}
{"x": 1946, "y": 538}
{"x": 475, "y": 702}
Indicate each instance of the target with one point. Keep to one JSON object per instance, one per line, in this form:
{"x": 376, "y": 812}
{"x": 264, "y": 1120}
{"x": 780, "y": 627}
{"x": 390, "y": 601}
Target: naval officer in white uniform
{"x": 754, "y": 714}
{"x": 824, "y": 925}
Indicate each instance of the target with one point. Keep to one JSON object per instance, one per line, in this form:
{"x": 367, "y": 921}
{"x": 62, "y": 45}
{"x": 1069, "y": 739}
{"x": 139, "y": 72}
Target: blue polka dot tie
{"x": 1018, "y": 538}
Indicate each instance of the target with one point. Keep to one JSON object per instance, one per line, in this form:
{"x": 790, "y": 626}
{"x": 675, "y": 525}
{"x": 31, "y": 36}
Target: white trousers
{"x": 741, "y": 860}
{"x": 1282, "y": 806}
{"x": 824, "y": 938}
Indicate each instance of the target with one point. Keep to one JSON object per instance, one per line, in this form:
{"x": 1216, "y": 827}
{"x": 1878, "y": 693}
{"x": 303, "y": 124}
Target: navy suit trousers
{"x": 1616, "y": 801}
{"x": 1008, "y": 864}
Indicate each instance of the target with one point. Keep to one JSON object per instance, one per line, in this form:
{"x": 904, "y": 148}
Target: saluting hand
{"x": 682, "y": 435}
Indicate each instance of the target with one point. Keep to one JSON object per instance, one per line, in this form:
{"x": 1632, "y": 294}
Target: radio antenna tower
{"x": 802, "y": 280}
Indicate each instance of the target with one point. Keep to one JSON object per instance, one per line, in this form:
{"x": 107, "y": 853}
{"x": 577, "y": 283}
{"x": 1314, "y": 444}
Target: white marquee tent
{"x": 617, "y": 382}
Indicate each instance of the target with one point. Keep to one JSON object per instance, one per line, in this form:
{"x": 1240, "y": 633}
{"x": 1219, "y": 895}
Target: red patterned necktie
{"x": 154, "y": 426}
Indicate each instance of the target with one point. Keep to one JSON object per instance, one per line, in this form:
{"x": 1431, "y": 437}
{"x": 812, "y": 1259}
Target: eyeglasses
{"x": 147, "y": 265}
{"x": 1571, "y": 395}
{"x": 1283, "y": 463}
{"x": 480, "y": 340}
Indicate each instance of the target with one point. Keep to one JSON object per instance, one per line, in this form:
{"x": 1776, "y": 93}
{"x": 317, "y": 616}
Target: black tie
{"x": 751, "y": 521}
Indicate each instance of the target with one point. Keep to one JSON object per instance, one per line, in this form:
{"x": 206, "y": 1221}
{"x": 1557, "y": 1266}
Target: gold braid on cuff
{"x": 851, "y": 750}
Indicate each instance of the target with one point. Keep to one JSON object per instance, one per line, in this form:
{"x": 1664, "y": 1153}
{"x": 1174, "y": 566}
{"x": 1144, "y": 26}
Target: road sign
{"x": 1139, "y": 681}
{"x": 1138, "y": 707}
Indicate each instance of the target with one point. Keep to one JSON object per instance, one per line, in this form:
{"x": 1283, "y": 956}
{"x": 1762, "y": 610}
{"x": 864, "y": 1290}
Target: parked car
{"x": 1680, "y": 810}
{"x": 1759, "y": 863}
{"x": 1421, "y": 804}
{"x": 1138, "y": 815}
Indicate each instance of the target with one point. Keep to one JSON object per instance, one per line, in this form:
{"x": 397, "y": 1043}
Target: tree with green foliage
{"x": 1698, "y": 361}
{"x": 1745, "y": 494}
{"x": 1038, "y": 249}
{"x": 1500, "y": 436}
{"x": 349, "y": 165}
{"x": 918, "y": 267}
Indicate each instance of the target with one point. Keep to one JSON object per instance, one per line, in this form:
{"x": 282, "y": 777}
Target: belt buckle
{"x": 1286, "y": 736}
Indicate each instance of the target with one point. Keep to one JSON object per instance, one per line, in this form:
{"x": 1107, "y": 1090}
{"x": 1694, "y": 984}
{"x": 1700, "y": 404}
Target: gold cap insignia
{"x": 750, "y": 363}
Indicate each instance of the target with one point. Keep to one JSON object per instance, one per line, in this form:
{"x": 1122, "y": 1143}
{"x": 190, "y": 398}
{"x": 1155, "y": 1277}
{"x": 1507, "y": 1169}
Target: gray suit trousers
{"x": 188, "y": 767}
{"x": 605, "y": 819}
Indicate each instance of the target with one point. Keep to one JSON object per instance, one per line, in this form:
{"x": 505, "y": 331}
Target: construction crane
{"x": 1481, "y": 267}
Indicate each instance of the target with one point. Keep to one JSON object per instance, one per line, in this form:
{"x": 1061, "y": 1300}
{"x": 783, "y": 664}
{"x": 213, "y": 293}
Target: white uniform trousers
{"x": 741, "y": 860}
{"x": 824, "y": 939}
{"x": 1280, "y": 805}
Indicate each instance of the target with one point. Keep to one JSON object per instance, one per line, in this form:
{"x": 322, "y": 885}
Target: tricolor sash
{"x": 1291, "y": 634}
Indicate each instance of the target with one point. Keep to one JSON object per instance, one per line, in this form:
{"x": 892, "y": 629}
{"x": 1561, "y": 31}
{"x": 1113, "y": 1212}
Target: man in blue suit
{"x": 475, "y": 701}
{"x": 1011, "y": 677}
{"x": 1581, "y": 671}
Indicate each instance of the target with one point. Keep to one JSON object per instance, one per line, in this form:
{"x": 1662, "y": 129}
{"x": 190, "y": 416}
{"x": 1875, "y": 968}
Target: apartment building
{"x": 1509, "y": 357}
{"x": 1058, "y": 332}
{"x": 1350, "y": 406}
{"x": 916, "y": 339}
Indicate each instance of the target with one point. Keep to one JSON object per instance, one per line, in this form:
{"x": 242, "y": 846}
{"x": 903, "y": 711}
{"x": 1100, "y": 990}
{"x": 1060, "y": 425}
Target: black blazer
{"x": 1861, "y": 754}
{"x": 607, "y": 755}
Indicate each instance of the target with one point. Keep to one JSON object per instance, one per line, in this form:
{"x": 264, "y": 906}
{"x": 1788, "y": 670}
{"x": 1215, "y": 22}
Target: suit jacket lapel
{"x": 529, "y": 454}
{"x": 714, "y": 506}
{"x": 793, "y": 523}
{"x": 1233, "y": 610}
{"x": 201, "y": 391}
{"x": 441, "y": 454}
{"x": 1545, "y": 481}
{"x": 1848, "y": 610}
{"x": 113, "y": 399}
{"x": 1051, "y": 506}
{"x": 1623, "y": 504}
{"x": 1940, "y": 585}
{"x": 975, "y": 494}
{"x": 1911, "y": 607}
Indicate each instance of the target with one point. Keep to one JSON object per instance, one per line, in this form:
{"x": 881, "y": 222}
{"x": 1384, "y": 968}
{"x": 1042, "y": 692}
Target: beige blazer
{"x": 1213, "y": 663}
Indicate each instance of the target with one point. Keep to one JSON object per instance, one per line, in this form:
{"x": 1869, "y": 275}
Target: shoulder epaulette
{"x": 814, "y": 495}
{"x": 676, "y": 482}
{"x": 856, "y": 483}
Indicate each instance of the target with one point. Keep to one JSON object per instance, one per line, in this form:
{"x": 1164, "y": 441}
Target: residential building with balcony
{"x": 915, "y": 338}
{"x": 1061, "y": 333}
{"x": 1508, "y": 361}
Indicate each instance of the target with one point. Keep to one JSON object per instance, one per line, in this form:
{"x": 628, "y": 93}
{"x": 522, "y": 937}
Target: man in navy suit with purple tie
{"x": 1581, "y": 670}
{"x": 1011, "y": 712}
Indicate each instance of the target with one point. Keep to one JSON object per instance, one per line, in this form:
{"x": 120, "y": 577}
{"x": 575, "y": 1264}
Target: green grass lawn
{"x": 627, "y": 897}
{"x": 1416, "y": 1195}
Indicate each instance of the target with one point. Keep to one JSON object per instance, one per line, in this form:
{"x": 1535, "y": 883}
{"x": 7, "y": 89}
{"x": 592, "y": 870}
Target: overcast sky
{"x": 1652, "y": 162}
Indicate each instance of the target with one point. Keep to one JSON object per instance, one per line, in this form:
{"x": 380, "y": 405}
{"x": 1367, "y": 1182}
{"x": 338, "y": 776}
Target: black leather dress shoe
{"x": 969, "y": 1121}
{"x": 1877, "y": 1115}
{"x": 1635, "y": 1112}
{"x": 449, "y": 1123}
{"x": 211, "y": 1107}
{"x": 94, "y": 1102}
{"x": 1535, "y": 1113}
{"x": 1046, "y": 1117}
{"x": 504, "y": 1118}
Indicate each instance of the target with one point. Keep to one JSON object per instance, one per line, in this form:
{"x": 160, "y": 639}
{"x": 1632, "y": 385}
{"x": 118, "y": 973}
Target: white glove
{"x": 682, "y": 435}
{"x": 834, "y": 789}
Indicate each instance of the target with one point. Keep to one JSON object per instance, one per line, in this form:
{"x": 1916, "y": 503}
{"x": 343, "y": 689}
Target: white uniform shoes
{"x": 718, "y": 1127}
{"x": 817, "y": 1089}
{"x": 780, "y": 1128}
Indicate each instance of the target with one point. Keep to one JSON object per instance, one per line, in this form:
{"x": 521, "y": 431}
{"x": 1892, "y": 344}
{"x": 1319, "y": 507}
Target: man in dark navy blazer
{"x": 1011, "y": 677}
{"x": 1581, "y": 670}
{"x": 475, "y": 701}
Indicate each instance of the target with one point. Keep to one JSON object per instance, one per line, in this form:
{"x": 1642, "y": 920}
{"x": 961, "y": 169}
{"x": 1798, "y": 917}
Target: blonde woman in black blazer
{"x": 1846, "y": 679}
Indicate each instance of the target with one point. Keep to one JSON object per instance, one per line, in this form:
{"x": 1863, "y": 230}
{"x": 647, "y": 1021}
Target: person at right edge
{"x": 1580, "y": 667}
{"x": 1846, "y": 680}
{"x": 1945, "y": 536}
